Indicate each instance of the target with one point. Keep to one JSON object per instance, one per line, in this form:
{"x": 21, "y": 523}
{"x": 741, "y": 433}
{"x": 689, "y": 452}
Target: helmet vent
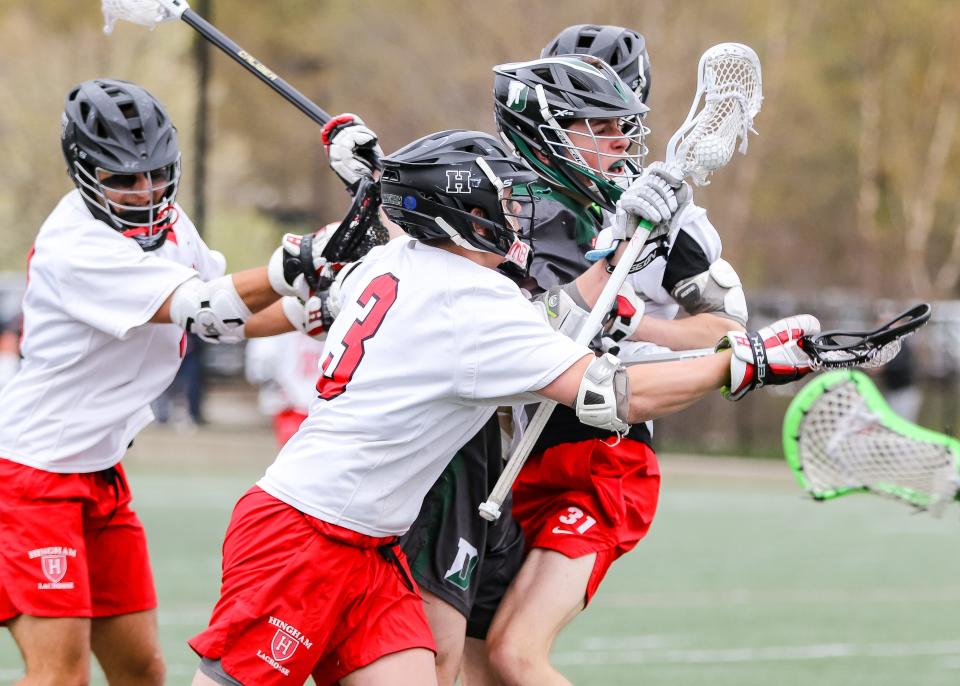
{"x": 130, "y": 113}
{"x": 578, "y": 84}
{"x": 544, "y": 75}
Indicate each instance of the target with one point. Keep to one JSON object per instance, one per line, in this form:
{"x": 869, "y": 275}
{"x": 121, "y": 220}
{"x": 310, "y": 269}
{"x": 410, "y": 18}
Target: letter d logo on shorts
{"x": 463, "y": 565}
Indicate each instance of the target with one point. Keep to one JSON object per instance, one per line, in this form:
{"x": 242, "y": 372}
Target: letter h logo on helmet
{"x": 458, "y": 181}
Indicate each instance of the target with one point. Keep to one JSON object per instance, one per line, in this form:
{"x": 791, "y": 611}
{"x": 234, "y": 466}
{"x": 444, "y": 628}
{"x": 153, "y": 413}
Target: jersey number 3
{"x": 340, "y": 364}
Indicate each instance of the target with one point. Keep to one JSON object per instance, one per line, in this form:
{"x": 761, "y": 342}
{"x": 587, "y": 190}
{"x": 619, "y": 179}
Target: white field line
{"x": 823, "y": 651}
{"x": 782, "y": 596}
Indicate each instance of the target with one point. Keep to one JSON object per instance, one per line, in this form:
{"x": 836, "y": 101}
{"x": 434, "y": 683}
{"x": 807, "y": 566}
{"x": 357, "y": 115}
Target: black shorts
{"x": 455, "y": 554}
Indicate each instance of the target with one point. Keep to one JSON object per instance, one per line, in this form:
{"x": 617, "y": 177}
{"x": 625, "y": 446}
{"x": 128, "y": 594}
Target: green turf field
{"x": 741, "y": 581}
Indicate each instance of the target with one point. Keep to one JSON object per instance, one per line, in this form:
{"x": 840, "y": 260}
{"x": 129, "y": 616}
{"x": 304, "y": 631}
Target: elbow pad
{"x": 716, "y": 291}
{"x": 603, "y": 399}
{"x": 561, "y": 309}
{"x": 213, "y": 310}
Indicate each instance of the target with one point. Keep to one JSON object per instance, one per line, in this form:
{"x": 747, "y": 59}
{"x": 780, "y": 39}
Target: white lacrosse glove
{"x": 659, "y": 195}
{"x": 623, "y": 320}
{"x": 768, "y": 357}
{"x": 310, "y": 317}
{"x": 298, "y": 268}
{"x": 352, "y": 149}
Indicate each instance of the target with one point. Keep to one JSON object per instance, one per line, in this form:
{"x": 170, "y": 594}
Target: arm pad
{"x": 603, "y": 399}
{"x": 213, "y": 310}
{"x": 716, "y": 291}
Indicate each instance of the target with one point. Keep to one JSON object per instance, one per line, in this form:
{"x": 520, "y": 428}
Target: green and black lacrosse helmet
{"x": 430, "y": 186}
{"x": 112, "y": 131}
{"x": 623, "y": 49}
{"x": 534, "y": 104}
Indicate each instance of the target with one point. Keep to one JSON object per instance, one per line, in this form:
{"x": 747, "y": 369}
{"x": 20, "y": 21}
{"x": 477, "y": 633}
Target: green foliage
{"x": 791, "y": 213}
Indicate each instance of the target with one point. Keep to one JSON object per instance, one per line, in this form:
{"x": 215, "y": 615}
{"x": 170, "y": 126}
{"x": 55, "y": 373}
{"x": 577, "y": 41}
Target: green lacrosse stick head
{"x": 840, "y": 437}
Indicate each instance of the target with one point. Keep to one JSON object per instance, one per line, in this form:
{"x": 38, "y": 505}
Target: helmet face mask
{"x": 118, "y": 196}
{"x": 574, "y": 121}
{"x": 464, "y": 187}
{"x": 595, "y": 149}
{"x": 122, "y": 154}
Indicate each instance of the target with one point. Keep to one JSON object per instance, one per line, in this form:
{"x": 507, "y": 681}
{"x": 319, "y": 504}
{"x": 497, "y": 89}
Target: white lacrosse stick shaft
{"x": 490, "y": 509}
{"x": 715, "y": 120}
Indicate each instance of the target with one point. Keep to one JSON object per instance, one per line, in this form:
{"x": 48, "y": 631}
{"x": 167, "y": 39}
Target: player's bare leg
{"x": 201, "y": 679}
{"x": 449, "y": 628}
{"x": 56, "y": 650}
{"x": 547, "y": 594}
{"x": 476, "y": 669}
{"x": 128, "y": 649}
{"x": 414, "y": 667}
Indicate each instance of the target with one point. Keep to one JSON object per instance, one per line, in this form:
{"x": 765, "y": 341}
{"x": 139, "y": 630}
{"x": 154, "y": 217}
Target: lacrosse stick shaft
{"x": 255, "y": 67}
{"x": 490, "y": 509}
{"x": 180, "y": 9}
{"x": 669, "y": 356}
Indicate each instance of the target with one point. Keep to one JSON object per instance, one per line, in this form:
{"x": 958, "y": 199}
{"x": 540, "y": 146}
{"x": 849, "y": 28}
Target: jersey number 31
{"x": 340, "y": 364}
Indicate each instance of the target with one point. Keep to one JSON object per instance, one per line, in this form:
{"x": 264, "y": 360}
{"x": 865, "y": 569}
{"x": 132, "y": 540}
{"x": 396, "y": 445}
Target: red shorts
{"x": 301, "y": 597}
{"x": 588, "y": 497}
{"x": 70, "y": 546}
{"x": 285, "y": 424}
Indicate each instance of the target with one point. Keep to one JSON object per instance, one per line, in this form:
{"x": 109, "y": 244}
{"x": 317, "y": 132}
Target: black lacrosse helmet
{"x": 429, "y": 187}
{"x": 534, "y": 103}
{"x": 623, "y": 49}
{"x": 119, "y": 128}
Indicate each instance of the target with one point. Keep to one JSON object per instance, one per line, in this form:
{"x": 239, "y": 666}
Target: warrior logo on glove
{"x": 770, "y": 356}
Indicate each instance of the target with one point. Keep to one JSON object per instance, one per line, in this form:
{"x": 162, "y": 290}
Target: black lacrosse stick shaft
{"x": 255, "y": 67}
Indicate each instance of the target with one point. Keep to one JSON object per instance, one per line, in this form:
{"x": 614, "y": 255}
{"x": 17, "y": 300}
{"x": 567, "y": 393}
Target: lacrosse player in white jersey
{"x": 285, "y": 369}
{"x": 429, "y": 339}
{"x": 117, "y": 275}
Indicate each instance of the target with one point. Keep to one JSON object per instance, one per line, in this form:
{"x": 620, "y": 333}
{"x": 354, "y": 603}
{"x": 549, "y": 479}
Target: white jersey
{"x": 91, "y": 363}
{"x": 426, "y": 346}
{"x": 286, "y": 368}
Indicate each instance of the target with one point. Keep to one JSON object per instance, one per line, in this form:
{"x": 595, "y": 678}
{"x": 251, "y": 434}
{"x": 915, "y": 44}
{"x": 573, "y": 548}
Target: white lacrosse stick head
{"x": 730, "y": 87}
{"x": 143, "y": 12}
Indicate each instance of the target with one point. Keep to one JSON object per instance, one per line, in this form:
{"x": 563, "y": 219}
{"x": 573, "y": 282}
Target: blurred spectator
{"x": 182, "y": 402}
{"x": 285, "y": 368}
{"x": 9, "y": 349}
{"x": 11, "y": 324}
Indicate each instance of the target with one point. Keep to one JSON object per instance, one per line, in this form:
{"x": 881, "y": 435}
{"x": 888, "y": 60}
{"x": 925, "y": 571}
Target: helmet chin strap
{"x": 456, "y": 237}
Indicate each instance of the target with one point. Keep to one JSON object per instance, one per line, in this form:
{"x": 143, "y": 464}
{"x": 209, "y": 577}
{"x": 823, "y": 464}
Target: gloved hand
{"x": 352, "y": 149}
{"x": 297, "y": 268}
{"x": 310, "y": 317}
{"x": 659, "y": 195}
{"x": 622, "y": 321}
{"x": 770, "y": 356}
